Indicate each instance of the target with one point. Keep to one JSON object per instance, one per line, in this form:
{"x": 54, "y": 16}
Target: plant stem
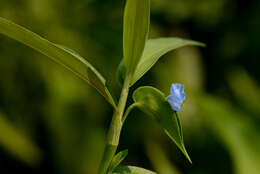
{"x": 115, "y": 129}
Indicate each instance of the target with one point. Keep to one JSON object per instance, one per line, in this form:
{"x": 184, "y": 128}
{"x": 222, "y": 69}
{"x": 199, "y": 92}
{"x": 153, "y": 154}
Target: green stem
{"x": 114, "y": 129}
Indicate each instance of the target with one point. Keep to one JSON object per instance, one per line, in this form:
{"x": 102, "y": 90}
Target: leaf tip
{"x": 184, "y": 151}
{"x": 202, "y": 44}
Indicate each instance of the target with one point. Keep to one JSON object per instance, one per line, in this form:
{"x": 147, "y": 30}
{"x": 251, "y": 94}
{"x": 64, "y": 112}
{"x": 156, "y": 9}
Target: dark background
{"x": 52, "y": 122}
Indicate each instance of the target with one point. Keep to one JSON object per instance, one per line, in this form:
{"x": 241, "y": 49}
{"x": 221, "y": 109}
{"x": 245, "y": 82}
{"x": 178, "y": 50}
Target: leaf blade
{"x": 153, "y": 102}
{"x": 154, "y": 49}
{"x": 118, "y": 158}
{"x": 132, "y": 170}
{"x": 59, "y": 54}
{"x": 136, "y": 28}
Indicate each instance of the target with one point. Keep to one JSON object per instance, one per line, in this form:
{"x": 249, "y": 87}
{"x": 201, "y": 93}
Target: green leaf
{"x": 136, "y": 28}
{"x": 153, "y": 102}
{"x": 154, "y": 49}
{"x": 59, "y": 54}
{"x": 18, "y": 144}
{"x": 132, "y": 170}
{"x": 118, "y": 158}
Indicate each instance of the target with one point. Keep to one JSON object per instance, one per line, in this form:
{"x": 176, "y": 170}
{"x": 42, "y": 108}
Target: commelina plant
{"x": 139, "y": 55}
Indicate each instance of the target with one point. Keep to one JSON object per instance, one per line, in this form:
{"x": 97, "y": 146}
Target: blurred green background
{"x": 52, "y": 122}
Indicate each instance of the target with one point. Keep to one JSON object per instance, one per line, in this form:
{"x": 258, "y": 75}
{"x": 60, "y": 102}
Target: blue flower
{"x": 177, "y": 96}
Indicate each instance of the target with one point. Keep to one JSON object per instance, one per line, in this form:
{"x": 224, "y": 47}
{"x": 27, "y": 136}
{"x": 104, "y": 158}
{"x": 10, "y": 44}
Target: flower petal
{"x": 178, "y": 91}
{"x": 177, "y": 96}
{"x": 175, "y": 104}
{"x": 177, "y": 88}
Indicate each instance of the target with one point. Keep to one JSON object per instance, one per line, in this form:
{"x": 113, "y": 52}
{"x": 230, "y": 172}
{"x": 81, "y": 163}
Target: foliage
{"x": 64, "y": 119}
{"x": 136, "y": 28}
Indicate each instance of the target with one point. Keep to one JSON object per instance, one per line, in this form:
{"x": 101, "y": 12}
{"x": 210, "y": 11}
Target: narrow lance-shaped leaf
{"x": 154, "y": 49}
{"x": 117, "y": 159}
{"x": 136, "y": 28}
{"x": 132, "y": 170}
{"x": 61, "y": 55}
{"x": 153, "y": 102}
